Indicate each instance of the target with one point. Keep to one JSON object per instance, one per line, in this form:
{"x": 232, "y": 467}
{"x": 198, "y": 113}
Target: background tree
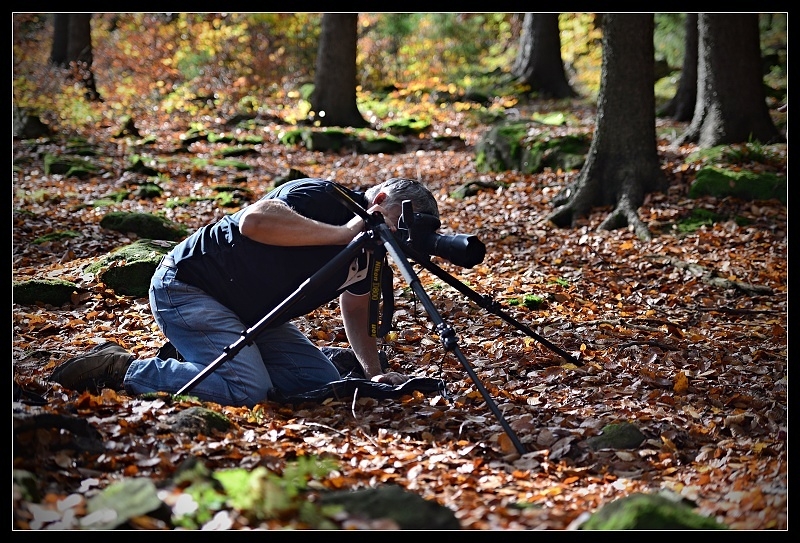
{"x": 58, "y": 49}
{"x": 538, "y": 63}
{"x": 622, "y": 164}
{"x": 334, "y": 98}
{"x": 681, "y": 105}
{"x": 72, "y": 47}
{"x": 731, "y": 102}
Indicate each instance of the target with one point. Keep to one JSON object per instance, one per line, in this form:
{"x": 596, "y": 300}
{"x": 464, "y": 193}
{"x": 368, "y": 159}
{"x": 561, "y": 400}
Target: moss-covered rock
{"x": 127, "y": 270}
{"x": 48, "y": 291}
{"x": 145, "y": 225}
{"x": 68, "y": 166}
{"x": 408, "y": 510}
{"x": 199, "y": 420}
{"x": 407, "y": 125}
{"x": 623, "y": 435}
{"x": 335, "y": 139}
{"x": 747, "y": 185}
{"x": 649, "y": 512}
{"x": 522, "y": 147}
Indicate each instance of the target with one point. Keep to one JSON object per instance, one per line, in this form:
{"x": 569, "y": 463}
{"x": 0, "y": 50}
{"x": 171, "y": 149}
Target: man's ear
{"x": 379, "y": 198}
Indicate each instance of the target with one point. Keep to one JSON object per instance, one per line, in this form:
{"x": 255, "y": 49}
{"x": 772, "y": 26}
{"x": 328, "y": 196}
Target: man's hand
{"x": 391, "y": 378}
{"x": 390, "y": 216}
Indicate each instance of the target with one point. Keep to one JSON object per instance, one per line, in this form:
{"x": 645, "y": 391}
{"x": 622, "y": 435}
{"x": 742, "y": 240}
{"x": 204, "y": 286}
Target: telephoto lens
{"x": 461, "y": 249}
{"x": 420, "y": 232}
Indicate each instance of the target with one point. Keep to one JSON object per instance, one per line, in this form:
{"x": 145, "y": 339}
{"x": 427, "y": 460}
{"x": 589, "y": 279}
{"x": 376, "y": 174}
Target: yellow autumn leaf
{"x": 681, "y": 383}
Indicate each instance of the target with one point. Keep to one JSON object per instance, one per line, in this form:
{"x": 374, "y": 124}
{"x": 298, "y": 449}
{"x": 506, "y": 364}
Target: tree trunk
{"x": 538, "y": 63}
{"x": 79, "y": 43}
{"x": 681, "y": 107}
{"x": 72, "y": 47}
{"x": 622, "y": 164}
{"x": 731, "y": 103}
{"x": 58, "y": 50}
{"x": 334, "y": 98}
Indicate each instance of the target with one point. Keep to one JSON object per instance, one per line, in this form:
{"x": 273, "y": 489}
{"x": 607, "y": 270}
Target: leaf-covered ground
{"x": 700, "y": 369}
{"x": 699, "y": 366}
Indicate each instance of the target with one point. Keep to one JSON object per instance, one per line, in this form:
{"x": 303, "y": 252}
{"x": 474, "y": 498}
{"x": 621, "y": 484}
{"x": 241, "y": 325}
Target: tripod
{"x": 376, "y": 235}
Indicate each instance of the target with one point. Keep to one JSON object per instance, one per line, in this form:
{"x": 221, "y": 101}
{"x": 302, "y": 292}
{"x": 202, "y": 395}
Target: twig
{"x": 620, "y": 322}
{"x": 737, "y": 310}
{"x": 710, "y": 277}
{"x": 353, "y": 405}
{"x": 652, "y": 343}
{"x": 326, "y": 427}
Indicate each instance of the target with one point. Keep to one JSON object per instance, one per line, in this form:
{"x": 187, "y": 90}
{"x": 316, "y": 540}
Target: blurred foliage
{"x": 669, "y": 37}
{"x": 197, "y": 64}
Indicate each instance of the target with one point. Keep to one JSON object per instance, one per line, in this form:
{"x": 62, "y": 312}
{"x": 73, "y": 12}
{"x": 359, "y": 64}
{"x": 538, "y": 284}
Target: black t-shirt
{"x": 252, "y": 278}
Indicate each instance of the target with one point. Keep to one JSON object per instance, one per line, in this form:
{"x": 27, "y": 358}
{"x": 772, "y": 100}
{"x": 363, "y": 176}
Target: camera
{"x": 419, "y": 231}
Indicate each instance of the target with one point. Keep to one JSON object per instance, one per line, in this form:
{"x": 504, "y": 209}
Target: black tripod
{"x": 378, "y": 234}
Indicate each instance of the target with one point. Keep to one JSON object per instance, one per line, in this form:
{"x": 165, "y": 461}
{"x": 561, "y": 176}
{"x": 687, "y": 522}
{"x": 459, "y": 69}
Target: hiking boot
{"x": 104, "y": 366}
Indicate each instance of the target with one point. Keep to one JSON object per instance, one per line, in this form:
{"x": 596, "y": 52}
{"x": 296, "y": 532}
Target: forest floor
{"x": 700, "y": 368}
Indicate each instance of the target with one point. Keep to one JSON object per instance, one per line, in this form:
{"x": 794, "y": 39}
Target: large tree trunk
{"x": 58, "y": 49}
{"x": 334, "y": 97}
{"x": 538, "y": 63}
{"x": 681, "y": 107}
{"x": 731, "y": 103}
{"x": 622, "y": 164}
{"x": 72, "y": 47}
{"x": 79, "y": 43}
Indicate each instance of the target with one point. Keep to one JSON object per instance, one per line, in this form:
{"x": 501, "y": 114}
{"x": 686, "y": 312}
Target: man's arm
{"x": 355, "y": 314}
{"x": 275, "y": 223}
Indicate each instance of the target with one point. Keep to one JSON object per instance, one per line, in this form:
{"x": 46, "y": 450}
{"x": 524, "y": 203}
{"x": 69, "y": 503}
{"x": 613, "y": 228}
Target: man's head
{"x": 391, "y": 193}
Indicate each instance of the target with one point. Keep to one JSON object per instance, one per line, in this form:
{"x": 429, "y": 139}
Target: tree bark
{"x": 58, "y": 49}
{"x": 72, "y": 47}
{"x": 622, "y": 164}
{"x": 334, "y": 98}
{"x": 538, "y": 63}
{"x": 681, "y": 106}
{"x": 79, "y": 43}
{"x": 731, "y": 102}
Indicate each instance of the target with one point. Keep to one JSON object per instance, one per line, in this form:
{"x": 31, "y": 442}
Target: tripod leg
{"x": 486, "y": 303}
{"x": 446, "y": 333}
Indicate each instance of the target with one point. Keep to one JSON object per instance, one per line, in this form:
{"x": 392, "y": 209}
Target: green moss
{"x": 407, "y": 125}
{"x": 48, "y": 291}
{"x": 127, "y": 270}
{"x": 68, "y": 166}
{"x": 720, "y": 183}
{"x": 697, "y": 218}
{"x": 230, "y": 163}
{"x": 147, "y": 191}
{"x": 145, "y": 225}
{"x": 649, "y": 512}
{"x": 236, "y": 150}
{"x": 56, "y": 236}
{"x": 532, "y": 301}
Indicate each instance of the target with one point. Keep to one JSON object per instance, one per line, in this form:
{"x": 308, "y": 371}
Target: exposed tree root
{"x": 710, "y": 277}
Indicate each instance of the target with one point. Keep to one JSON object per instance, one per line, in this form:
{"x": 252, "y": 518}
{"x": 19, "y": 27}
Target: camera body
{"x": 419, "y": 231}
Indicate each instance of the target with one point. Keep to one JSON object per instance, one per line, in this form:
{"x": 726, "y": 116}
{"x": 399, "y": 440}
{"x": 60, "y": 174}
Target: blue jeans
{"x": 200, "y": 328}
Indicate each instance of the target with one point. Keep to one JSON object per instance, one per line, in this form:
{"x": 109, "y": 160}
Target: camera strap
{"x": 381, "y": 285}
